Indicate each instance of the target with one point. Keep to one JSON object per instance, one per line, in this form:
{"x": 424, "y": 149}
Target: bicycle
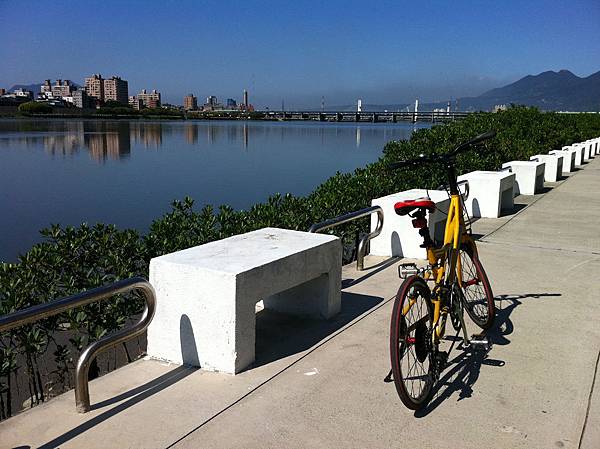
{"x": 459, "y": 281}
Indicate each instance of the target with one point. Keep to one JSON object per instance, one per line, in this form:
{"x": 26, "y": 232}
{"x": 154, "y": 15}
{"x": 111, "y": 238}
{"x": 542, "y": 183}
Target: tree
{"x": 34, "y": 107}
{"x": 115, "y": 104}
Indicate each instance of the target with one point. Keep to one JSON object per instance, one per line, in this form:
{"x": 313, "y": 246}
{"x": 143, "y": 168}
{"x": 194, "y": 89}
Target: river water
{"x": 128, "y": 172}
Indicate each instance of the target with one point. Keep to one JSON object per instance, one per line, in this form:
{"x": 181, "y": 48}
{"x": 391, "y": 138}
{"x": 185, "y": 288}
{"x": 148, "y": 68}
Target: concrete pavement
{"x": 321, "y": 384}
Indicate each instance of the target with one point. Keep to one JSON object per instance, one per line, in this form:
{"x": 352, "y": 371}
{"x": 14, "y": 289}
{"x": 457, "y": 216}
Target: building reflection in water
{"x": 191, "y": 133}
{"x": 112, "y": 140}
{"x": 103, "y": 140}
{"x": 108, "y": 140}
{"x": 147, "y": 134}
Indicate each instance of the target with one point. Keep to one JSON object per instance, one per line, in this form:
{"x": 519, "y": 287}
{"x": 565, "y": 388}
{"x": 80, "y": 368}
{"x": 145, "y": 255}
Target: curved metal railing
{"x": 38, "y": 312}
{"x": 362, "y": 244}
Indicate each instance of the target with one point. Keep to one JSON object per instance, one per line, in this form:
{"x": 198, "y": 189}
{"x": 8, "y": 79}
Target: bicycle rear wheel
{"x": 410, "y": 343}
{"x": 479, "y": 299}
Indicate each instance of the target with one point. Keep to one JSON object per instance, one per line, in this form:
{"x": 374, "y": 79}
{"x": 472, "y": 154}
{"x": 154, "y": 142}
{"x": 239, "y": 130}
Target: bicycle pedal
{"x": 407, "y": 269}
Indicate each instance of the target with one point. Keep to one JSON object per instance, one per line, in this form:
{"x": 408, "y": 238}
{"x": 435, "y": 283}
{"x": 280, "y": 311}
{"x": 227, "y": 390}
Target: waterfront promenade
{"x": 321, "y": 384}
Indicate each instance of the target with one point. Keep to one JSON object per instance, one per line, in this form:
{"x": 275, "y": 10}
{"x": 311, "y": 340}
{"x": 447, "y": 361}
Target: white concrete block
{"x": 554, "y": 165}
{"x": 206, "y": 295}
{"x": 585, "y": 153}
{"x": 398, "y": 237}
{"x": 568, "y": 155}
{"x": 490, "y": 193}
{"x": 592, "y": 148}
{"x": 529, "y": 176}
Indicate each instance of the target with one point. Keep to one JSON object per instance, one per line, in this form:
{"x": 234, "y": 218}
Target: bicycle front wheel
{"x": 410, "y": 343}
{"x": 479, "y": 299}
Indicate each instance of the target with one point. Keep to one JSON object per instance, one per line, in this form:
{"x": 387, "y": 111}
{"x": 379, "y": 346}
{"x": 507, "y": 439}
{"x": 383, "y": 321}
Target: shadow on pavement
{"x": 280, "y": 335}
{"x": 348, "y": 282}
{"x": 135, "y": 396}
{"x": 463, "y": 370}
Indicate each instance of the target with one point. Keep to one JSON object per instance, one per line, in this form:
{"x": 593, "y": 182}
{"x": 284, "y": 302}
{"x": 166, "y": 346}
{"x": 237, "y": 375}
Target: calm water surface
{"x": 128, "y": 172}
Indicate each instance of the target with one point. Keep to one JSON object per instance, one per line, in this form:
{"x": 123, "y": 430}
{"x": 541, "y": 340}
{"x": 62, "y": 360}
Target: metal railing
{"x": 362, "y": 244}
{"x": 41, "y": 311}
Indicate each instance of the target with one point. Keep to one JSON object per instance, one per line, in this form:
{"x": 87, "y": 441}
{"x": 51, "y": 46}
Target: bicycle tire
{"x": 476, "y": 289}
{"x": 416, "y": 341}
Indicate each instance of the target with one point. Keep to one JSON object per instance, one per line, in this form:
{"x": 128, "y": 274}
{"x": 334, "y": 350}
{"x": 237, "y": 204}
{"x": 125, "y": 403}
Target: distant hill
{"x": 548, "y": 91}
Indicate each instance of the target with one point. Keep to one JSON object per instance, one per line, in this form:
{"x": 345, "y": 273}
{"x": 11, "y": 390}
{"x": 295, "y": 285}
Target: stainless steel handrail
{"x": 362, "y": 244}
{"x": 38, "y": 312}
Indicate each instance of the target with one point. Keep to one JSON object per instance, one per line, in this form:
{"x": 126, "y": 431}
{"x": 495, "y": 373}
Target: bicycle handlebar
{"x": 444, "y": 157}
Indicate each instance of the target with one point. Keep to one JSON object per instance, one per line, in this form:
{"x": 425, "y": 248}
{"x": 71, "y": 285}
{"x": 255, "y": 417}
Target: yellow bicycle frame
{"x": 455, "y": 236}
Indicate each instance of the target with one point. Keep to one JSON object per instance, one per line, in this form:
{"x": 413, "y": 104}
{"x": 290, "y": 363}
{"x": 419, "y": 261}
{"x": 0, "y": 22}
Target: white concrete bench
{"x": 554, "y": 165}
{"x": 398, "y": 237}
{"x": 490, "y": 193}
{"x": 206, "y": 295}
{"x": 568, "y": 155}
{"x": 529, "y": 176}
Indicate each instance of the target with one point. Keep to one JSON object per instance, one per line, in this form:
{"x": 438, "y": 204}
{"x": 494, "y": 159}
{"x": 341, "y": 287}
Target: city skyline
{"x": 302, "y": 52}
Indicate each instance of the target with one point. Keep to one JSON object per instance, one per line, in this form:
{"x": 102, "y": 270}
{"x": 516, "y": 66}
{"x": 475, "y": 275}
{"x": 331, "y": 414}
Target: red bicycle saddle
{"x": 407, "y": 206}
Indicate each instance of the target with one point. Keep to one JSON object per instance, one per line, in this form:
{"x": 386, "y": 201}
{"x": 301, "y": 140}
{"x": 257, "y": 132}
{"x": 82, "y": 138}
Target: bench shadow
{"x": 280, "y": 335}
{"x": 348, "y": 282}
{"x": 463, "y": 370}
{"x": 138, "y": 394}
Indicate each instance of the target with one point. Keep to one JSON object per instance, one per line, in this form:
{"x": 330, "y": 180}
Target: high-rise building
{"x": 94, "y": 87}
{"x": 116, "y": 89}
{"x": 190, "y": 103}
{"x": 246, "y": 99}
{"x": 80, "y": 99}
{"x": 135, "y": 103}
{"x": 149, "y": 100}
{"x": 211, "y": 100}
{"x": 62, "y": 88}
{"x": 231, "y": 103}
{"x": 46, "y": 89}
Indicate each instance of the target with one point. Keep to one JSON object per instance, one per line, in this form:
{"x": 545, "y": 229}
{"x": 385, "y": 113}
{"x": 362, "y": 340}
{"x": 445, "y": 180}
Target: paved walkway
{"x": 321, "y": 384}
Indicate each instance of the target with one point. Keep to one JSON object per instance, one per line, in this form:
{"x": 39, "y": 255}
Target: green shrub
{"x": 34, "y": 107}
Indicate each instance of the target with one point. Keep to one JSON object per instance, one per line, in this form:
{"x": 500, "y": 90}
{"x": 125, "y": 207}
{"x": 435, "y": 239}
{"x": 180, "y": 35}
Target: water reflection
{"x": 112, "y": 140}
{"x": 103, "y": 140}
{"x": 150, "y": 135}
{"x": 128, "y": 172}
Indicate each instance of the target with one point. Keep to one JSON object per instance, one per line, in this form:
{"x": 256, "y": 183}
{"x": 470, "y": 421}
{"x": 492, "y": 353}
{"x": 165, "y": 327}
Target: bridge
{"x": 373, "y": 117}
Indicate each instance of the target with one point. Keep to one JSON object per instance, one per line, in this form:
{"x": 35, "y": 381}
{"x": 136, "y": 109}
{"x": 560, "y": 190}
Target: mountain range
{"x": 548, "y": 91}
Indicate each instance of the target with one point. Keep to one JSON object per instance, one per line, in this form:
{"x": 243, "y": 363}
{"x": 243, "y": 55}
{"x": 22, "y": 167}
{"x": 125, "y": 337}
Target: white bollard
{"x": 490, "y": 193}
{"x": 529, "y": 176}
{"x": 554, "y": 165}
{"x": 568, "y": 155}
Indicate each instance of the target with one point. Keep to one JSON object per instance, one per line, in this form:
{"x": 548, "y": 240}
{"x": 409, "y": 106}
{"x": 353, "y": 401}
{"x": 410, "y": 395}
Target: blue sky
{"x": 381, "y": 51}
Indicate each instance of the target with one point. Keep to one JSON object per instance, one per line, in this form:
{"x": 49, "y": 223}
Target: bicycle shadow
{"x": 463, "y": 370}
